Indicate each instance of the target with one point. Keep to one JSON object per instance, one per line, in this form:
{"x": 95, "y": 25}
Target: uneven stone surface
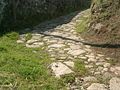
{"x": 61, "y": 42}
{"x": 90, "y": 79}
{"x": 59, "y": 69}
{"x": 97, "y": 86}
{"x": 69, "y": 63}
{"x": 115, "y": 84}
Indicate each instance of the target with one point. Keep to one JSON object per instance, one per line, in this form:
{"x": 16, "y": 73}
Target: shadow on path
{"x": 51, "y": 24}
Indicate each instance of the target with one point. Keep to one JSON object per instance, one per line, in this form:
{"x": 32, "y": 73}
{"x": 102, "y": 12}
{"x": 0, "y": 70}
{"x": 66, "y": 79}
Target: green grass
{"x": 80, "y": 68}
{"x": 28, "y": 36}
{"x": 82, "y": 26}
{"x": 69, "y": 78}
{"x": 24, "y": 69}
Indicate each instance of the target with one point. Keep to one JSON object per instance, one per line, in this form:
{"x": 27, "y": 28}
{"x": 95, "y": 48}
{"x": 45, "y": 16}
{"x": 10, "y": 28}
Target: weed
{"x": 83, "y": 25}
{"x": 80, "y": 67}
{"x": 69, "y": 78}
{"x": 28, "y": 36}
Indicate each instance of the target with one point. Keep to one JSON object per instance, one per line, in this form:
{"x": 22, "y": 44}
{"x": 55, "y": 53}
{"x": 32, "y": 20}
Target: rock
{"x": 100, "y": 68}
{"x": 75, "y": 47}
{"x": 56, "y": 45}
{"x": 81, "y": 57}
{"x": 59, "y": 69}
{"x": 35, "y": 45}
{"x": 55, "y": 33}
{"x": 97, "y": 86}
{"x": 76, "y": 52}
{"x": 106, "y": 65}
{"x": 92, "y": 60}
{"x": 63, "y": 58}
{"x": 90, "y": 79}
{"x": 88, "y": 50}
{"x": 31, "y": 41}
{"x": 105, "y": 69}
{"x": 96, "y": 73}
{"x": 98, "y": 26}
{"x": 36, "y": 36}
{"x": 99, "y": 63}
{"x": 90, "y": 55}
{"x": 52, "y": 41}
{"x": 20, "y": 41}
{"x": 112, "y": 69}
{"x": 107, "y": 75}
{"x": 116, "y": 70}
{"x": 115, "y": 83}
{"x": 88, "y": 66}
{"x": 69, "y": 63}
{"x": 87, "y": 46}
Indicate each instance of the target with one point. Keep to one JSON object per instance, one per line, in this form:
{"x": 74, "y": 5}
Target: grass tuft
{"x": 82, "y": 26}
{"x": 80, "y": 68}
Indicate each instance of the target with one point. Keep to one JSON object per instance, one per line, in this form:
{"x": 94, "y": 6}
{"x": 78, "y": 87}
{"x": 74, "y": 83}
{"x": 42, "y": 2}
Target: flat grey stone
{"x": 20, "y": 41}
{"x": 92, "y": 60}
{"x": 76, "y": 52}
{"x": 59, "y": 69}
{"x": 75, "y": 47}
{"x": 98, "y": 26}
{"x": 35, "y": 45}
{"x": 31, "y": 41}
{"x": 116, "y": 70}
{"x": 69, "y": 63}
{"x": 90, "y": 79}
{"x": 115, "y": 83}
{"x": 56, "y": 45}
{"x": 97, "y": 86}
{"x": 106, "y": 65}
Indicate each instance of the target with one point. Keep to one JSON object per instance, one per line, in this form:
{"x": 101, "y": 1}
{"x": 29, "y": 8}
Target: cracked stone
{"x": 59, "y": 69}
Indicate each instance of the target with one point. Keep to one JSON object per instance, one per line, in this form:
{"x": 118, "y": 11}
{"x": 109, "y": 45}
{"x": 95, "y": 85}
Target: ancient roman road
{"x": 59, "y": 38}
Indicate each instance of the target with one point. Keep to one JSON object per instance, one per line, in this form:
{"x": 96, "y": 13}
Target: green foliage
{"x": 82, "y": 26}
{"x": 68, "y": 78}
{"x": 28, "y": 36}
{"x": 13, "y": 35}
{"x": 80, "y": 67}
{"x": 24, "y": 69}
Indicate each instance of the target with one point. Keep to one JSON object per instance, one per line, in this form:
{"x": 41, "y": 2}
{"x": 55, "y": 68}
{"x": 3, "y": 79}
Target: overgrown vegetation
{"x": 82, "y": 26}
{"x": 69, "y": 78}
{"x": 22, "y": 69}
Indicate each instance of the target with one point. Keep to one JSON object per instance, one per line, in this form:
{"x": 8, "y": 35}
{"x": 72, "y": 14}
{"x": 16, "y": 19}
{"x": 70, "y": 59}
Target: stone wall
{"x": 30, "y": 12}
